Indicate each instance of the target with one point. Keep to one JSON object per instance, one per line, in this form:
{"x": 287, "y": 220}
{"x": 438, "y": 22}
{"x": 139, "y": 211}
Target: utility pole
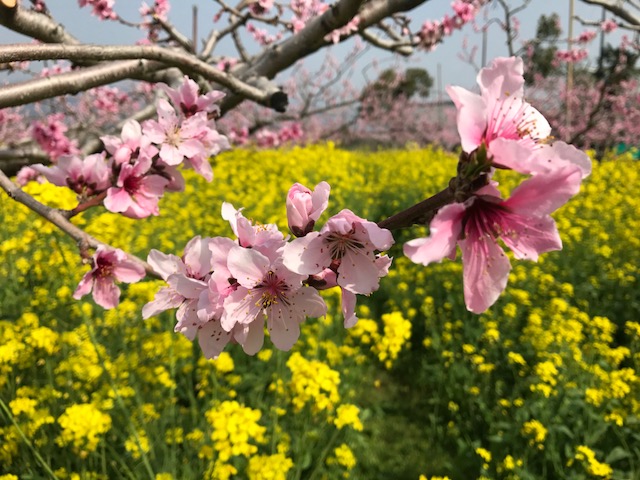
{"x": 484, "y": 46}
{"x": 194, "y": 25}
{"x": 439, "y": 90}
{"x": 600, "y": 60}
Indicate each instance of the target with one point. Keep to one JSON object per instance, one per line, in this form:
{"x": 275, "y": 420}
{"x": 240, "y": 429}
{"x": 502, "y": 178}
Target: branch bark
{"x": 617, "y": 8}
{"x": 132, "y": 65}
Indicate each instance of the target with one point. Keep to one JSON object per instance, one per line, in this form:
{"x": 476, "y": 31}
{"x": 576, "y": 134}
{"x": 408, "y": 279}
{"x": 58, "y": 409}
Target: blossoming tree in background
{"x": 230, "y": 289}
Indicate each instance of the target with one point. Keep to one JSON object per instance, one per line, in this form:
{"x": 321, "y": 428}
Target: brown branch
{"x": 58, "y": 218}
{"x": 420, "y": 213}
{"x": 35, "y": 25}
{"x": 162, "y": 58}
{"x": 617, "y": 8}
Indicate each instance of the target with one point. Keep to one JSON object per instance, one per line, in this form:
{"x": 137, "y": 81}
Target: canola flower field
{"x": 544, "y": 385}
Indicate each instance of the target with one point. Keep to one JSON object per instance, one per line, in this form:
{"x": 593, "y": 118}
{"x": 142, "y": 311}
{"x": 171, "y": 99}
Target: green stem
{"x": 120, "y": 402}
{"x": 324, "y": 454}
{"x": 26, "y": 440}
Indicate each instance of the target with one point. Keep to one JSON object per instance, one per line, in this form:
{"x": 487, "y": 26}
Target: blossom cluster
{"x": 137, "y": 167}
{"x": 433, "y": 31}
{"x": 500, "y": 130}
{"x": 226, "y": 289}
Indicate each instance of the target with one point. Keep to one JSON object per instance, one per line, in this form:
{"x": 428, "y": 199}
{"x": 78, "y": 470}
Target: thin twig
{"x": 58, "y": 218}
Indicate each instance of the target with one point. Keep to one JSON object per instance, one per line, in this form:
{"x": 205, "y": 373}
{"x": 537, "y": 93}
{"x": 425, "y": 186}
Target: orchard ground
{"x": 543, "y": 385}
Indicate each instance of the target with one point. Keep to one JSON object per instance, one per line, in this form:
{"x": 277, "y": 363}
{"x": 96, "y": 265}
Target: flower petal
{"x": 445, "y": 230}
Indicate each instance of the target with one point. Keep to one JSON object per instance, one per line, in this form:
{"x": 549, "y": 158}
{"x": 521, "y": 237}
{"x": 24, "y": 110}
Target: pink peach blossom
{"x": 267, "y": 290}
{"x": 87, "y": 177}
{"x": 522, "y": 221}
{"x": 350, "y": 242}
{"x": 137, "y": 192}
{"x": 108, "y": 266}
{"x": 499, "y": 117}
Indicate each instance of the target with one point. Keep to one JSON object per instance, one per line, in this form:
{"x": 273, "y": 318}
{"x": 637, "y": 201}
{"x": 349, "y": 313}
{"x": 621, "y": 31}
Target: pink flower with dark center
{"x": 267, "y": 290}
{"x": 87, "y": 177}
{"x": 177, "y": 140}
{"x": 346, "y": 243}
{"x": 264, "y": 238}
{"x": 107, "y": 267}
{"x": 136, "y": 193}
{"x": 522, "y": 222}
{"x": 130, "y": 145}
{"x": 187, "y": 99}
{"x": 499, "y": 117}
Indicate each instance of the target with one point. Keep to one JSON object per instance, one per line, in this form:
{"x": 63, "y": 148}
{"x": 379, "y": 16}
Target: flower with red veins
{"x": 523, "y": 222}
{"x": 187, "y": 99}
{"x": 108, "y": 265}
{"x": 347, "y": 243}
{"x": 130, "y": 145}
{"x": 136, "y": 193}
{"x": 177, "y": 140}
{"x": 266, "y": 289}
{"x": 499, "y": 117}
{"x": 304, "y": 207}
{"x": 87, "y": 177}
{"x": 264, "y": 238}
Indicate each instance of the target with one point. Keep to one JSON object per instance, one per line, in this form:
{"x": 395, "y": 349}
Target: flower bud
{"x": 304, "y": 207}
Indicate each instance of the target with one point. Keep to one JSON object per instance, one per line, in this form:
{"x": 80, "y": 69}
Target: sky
{"x": 453, "y": 70}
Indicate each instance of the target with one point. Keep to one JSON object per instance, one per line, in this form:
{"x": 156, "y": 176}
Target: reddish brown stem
{"x": 420, "y": 213}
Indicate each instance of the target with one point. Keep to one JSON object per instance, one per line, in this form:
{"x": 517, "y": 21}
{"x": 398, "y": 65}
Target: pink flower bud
{"x": 304, "y": 207}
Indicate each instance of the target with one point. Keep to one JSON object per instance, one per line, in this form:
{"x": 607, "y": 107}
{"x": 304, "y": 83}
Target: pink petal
{"x": 242, "y": 306}
{"x": 106, "y": 293}
{"x": 512, "y": 154}
{"x": 485, "y": 272}
{"x": 308, "y": 255}
{"x": 319, "y": 200}
{"x": 85, "y": 286}
{"x": 472, "y": 117}
{"x": 188, "y": 321}
{"x": 248, "y": 267}
{"x": 170, "y": 154}
{"x": 548, "y": 158}
{"x": 251, "y": 337}
{"x": 164, "y": 264}
{"x": 213, "y": 338}
{"x": 358, "y": 273}
{"x": 117, "y": 200}
{"x": 165, "y": 299}
{"x": 153, "y": 185}
{"x": 197, "y": 257}
{"x": 349, "y": 308}
{"x": 543, "y": 194}
{"x": 283, "y": 325}
{"x": 503, "y": 77}
{"x": 380, "y": 237}
{"x": 128, "y": 272}
{"x": 528, "y": 237}
{"x": 186, "y": 286}
{"x": 444, "y": 232}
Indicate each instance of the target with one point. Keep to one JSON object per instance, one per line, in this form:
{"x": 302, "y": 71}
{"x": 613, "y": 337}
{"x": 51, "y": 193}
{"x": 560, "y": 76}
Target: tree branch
{"x": 403, "y": 48}
{"x": 617, "y": 8}
{"x": 103, "y": 74}
{"x": 58, "y": 218}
